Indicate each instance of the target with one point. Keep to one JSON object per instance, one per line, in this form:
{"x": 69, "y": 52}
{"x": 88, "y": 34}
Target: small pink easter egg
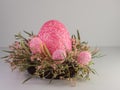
{"x": 58, "y": 55}
{"x": 34, "y": 44}
{"x": 55, "y": 35}
{"x": 84, "y": 58}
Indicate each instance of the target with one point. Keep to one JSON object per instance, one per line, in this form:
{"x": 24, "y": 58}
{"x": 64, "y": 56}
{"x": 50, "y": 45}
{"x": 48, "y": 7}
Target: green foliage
{"x": 78, "y": 35}
{"x": 68, "y": 68}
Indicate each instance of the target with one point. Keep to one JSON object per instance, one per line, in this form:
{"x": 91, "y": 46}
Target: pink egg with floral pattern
{"x": 55, "y": 35}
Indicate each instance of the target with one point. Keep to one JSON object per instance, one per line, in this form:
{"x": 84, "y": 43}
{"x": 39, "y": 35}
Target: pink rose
{"x": 58, "y": 55}
{"x": 34, "y": 44}
{"x": 84, "y": 58}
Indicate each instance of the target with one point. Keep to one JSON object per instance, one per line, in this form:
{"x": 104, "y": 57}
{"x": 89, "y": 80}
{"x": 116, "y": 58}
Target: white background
{"x": 97, "y": 20}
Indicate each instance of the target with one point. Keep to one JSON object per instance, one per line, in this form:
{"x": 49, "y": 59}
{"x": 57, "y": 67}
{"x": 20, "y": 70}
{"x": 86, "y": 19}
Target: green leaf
{"x": 78, "y": 35}
{"x": 84, "y": 42}
{"x": 93, "y": 71}
{"x": 8, "y": 51}
{"x": 27, "y": 79}
{"x": 91, "y": 63}
{"x": 98, "y": 55}
{"x": 4, "y": 57}
{"x": 19, "y": 36}
{"x": 25, "y": 47}
{"x": 30, "y": 34}
{"x": 74, "y": 36}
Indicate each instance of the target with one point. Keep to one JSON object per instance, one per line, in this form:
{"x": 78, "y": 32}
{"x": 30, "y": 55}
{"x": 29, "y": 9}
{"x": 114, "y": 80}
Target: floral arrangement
{"x": 52, "y": 54}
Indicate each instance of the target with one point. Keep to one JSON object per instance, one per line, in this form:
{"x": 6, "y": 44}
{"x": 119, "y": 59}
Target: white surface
{"x": 108, "y": 77}
{"x": 97, "y": 20}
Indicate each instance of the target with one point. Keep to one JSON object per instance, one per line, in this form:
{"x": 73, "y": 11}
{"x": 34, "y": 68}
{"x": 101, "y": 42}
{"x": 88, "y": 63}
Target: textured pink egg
{"x": 34, "y": 44}
{"x": 54, "y": 34}
{"x": 58, "y": 55}
{"x": 84, "y": 58}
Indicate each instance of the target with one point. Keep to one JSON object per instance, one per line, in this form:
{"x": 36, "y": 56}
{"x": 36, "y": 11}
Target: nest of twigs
{"x": 43, "y": 66}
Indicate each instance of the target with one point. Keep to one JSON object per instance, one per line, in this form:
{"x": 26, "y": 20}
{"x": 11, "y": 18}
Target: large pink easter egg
{"x": 55, "y": 35}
